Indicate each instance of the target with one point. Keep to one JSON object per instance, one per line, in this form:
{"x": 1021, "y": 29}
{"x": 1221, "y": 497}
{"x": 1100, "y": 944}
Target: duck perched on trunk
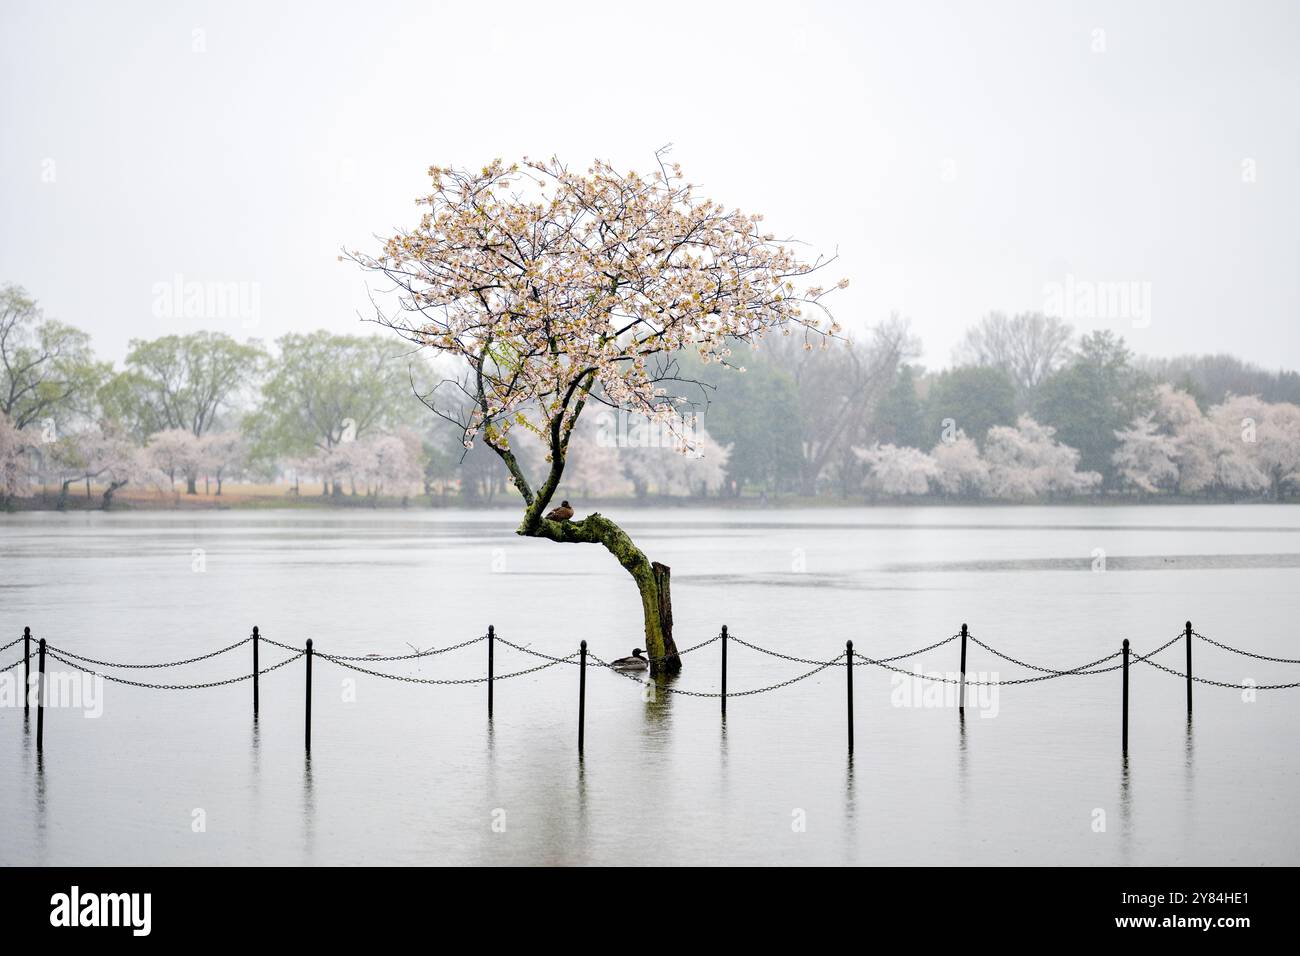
{"x": 562, "y": 513}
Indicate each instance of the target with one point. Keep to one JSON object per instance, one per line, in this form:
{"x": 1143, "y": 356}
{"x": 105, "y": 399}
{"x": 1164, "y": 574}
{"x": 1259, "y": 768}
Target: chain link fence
{"x": 354, "y": 663}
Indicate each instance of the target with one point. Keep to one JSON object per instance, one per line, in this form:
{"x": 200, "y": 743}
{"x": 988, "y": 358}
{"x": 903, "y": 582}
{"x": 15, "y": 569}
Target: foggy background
{"x": 958, "y": 158}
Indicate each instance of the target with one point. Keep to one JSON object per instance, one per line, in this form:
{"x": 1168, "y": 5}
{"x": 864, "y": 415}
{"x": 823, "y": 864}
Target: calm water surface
{"x": 410, "y": 774}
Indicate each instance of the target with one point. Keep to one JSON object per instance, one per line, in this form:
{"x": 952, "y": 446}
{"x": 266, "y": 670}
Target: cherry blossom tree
{"x": 557, "y": 288}
{"x": 176, "y": 451}
{"x": 1146, "y": 457}
{"x": 1268, "y": 434}
{"x": 899, "y": 470}
{"x": 112, "y": 458}
{"x": 1208, "y": 451}
{"x": 1025, "y": 461}
{"x": 223, "y": 453}
{"x": 390, "y": 463}
{"x": 961, "y": 470}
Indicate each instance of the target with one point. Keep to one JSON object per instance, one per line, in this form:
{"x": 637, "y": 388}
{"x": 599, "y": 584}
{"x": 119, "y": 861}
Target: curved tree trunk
{"x": 110, "y": 491}
{"x": 652, "y": 580}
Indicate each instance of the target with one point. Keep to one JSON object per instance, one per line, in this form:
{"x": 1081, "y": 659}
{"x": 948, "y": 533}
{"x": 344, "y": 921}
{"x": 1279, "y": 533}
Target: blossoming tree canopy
{"x": 556, "y": 287}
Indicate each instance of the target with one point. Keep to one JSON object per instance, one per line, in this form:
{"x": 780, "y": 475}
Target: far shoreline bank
{"x": 236, "y": 501}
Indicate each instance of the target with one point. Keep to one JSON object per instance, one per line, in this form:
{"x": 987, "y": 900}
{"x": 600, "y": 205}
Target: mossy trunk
{"x": 652, "y": 580}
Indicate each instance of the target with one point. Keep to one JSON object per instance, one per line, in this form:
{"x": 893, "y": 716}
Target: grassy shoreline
{"x": 237, "y": 499}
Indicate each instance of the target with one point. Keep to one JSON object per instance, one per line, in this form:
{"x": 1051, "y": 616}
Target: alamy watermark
{"x": 71, "y": 690}
{"x": 626, "y": 429}
{"x": 932, "y": 689}
{"x": 233, "y": 301}
{"x": 1123, "y": 300}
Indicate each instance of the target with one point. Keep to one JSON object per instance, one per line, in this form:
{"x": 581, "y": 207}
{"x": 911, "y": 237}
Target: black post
{"x": 27, "y": 670}
{"x": 848, "y": 648}
{"x": 724, "y": 670}
{"x": 40, "y": 701}
{"x": 582, "y": 697}
{"x": 1125, "y": 741}
{"x": 961, "y": 693}
{"x": 308, "y": 735}
{"x": 1188, "y": 634}
{"x": 255, "y": 636}
{"x": 491, "y": 641}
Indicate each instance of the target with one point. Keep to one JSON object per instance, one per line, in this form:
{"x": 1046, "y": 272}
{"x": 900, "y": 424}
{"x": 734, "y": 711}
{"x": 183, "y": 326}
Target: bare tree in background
{"x": 1028, "y": 347}
{"x": 839, "y": 387}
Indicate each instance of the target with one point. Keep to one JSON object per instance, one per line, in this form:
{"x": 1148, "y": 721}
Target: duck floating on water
{"x": 634, "y": 663}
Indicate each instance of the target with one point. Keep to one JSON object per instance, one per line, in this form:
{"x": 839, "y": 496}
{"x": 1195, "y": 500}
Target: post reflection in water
{"x": 850, "y": 815}
{"x": 308, "y": 812}
{"x": 1125, "y": 811}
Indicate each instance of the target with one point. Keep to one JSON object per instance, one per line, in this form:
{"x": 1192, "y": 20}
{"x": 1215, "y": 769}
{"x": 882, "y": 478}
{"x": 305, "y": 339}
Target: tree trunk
{"x": 108, "y": 492}
{"x": 190, "y": 487}
{"x": 652, "y": 580}
{"x": 63, "y": 495}
{"x": 663, "y": 591}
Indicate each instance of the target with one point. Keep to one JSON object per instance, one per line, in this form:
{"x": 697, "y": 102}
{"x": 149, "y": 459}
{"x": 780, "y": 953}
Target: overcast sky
{"x": 960, "y": 157}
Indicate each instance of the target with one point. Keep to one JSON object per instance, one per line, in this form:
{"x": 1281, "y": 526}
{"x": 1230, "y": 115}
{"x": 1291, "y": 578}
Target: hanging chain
{"x": 1234, "y": 650}
{"x": 1219, "y": 683}
{"x": 342, "y": 662}
{"x": 1048, "y": 670}
{"x": 217, "y": 683}
{"x": 119, "y": 666}
{"x": 698, "y": 693}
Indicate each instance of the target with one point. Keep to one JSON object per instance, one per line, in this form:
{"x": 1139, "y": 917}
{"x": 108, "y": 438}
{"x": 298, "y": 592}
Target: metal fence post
{"x": 582, "y": 697}
{"x": 308, "y": 715}
{"x": 1188, "y": 634}
{"x": 848, "y": 650}
{"x": 1125, "y": 735}
{"x": 40, "y": 701}
{"x": 27, "y": 670}
{"x": 491, "y": 641}
{"x": 961, "y": 693}
{"x": 724, "y": 670}
{"x": 255, "y": 669}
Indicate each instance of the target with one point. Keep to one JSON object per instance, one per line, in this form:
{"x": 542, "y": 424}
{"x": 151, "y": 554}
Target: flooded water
{"x": 403, "y": 773}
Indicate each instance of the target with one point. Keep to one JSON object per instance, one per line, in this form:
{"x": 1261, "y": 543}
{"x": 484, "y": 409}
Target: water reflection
{"x": 308, "y": 812}
{"x": 1125, "y": 812}
{"x": 42, "y": 803}
{"x": 850, "y": 815}
{"x": 657, "y": 693}
{"x": 918, "y": 799}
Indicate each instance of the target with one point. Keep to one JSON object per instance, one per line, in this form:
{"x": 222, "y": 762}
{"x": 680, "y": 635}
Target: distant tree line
{"x": 1029, "y": 410}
